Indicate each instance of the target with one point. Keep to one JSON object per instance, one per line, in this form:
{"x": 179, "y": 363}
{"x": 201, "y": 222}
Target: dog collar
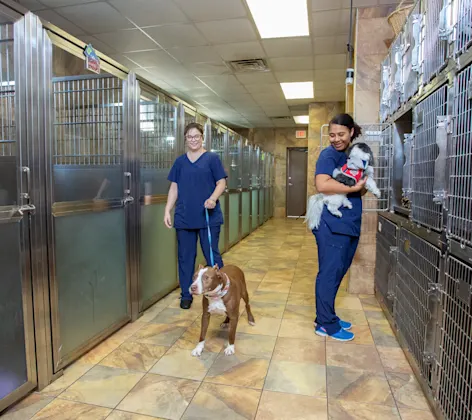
{"x": 355, "y": 174}
{"x": 219, "y": 292}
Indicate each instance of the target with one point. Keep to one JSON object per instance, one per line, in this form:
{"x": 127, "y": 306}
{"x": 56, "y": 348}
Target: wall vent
{"x": 246, "y": 66}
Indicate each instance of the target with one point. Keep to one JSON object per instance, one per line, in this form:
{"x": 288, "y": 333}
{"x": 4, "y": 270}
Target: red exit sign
{"x": 300, "y": 134}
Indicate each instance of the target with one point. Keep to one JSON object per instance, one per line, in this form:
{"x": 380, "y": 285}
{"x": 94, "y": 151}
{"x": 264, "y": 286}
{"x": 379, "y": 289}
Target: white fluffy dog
{"x": 358, "y": 166}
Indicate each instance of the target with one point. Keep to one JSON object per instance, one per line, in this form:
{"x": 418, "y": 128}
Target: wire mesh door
{"x": 385, "y": 91}
{"x": 463, "y": 29}
{"x": 454, "y": 363}
{"x": 396, "y": 74}
{"x": 90, "y": 190}
{"x": 412, "y": 54}
{"x": 425, "y": 210}
{"x": 459, "y": 219}
{"x": 435, "y": 48}
{"x": 386, "y": 261}
{"x": 417, "y": 268}
{"x": 234, "y": 156}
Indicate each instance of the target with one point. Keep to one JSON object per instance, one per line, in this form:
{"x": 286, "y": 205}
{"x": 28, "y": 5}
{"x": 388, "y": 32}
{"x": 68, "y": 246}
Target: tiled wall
{"x": 374, "y": 35}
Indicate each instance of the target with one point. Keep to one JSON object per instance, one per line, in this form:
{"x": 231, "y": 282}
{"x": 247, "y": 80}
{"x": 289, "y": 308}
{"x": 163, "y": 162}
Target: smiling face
{"x": 194, "y": 139}
{"x": 205, "y": 280}
{"x": 340, "y": 136}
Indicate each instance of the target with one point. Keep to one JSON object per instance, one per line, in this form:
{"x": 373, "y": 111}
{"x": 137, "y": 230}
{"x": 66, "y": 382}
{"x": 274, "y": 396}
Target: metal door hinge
{"x": 435, "y": 290}
{"x": 27, "y": 208}
{"x": 429, "y": 358}
{"x": 128, "y": 200}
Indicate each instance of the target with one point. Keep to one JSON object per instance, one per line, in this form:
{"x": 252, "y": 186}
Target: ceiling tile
{"x": 153, "y": 58}
{"x": 278, "y": 112}
{"x": 269, "y": 88}
{"x": 181, "y": 35}
{"x": 294, "y": 76}
{"x": 331, "y": 75}
{"x": 330, "y": 44}
{"x": 291, "y": 63}
{"x": 127, "y": 40}
{"x": 227, "y": 31}
{"x": 285, "y": 123}
{"x": 185, "y": 84}
{"x": 194, "y": 54}
{"x": 299, "y": 102}
{"x": 204, "y": 10}
{"x": 32, "y": 5}
{"x": 269, "y": 99}
{"x": 60, "y": 3}
{"x": 288, "y": 47}
{"x": 330, "y": 61}
{"x": 221, "y": 81}
{"x": 332, "y": 22}
{"x": 240, "y": 51}
{"x": 60, "y": 22}
{"x": 256, "y": 78}
{"x": 150, "y": 12}
{"x": 95, "y": 17}
{"x": 125, "y": 61}
{"x": 98, "y": 45}
{"x": 208, "y": 69}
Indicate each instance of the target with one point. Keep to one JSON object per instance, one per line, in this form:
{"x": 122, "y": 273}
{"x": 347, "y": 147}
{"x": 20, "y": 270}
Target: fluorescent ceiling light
{"x": 280, "y": 18}
{"x": 298, "y": 90}
{"x": 302, "y": 119}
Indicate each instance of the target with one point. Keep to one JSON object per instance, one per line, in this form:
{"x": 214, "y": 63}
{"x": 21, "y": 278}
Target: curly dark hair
{"x": 347, "y": 121}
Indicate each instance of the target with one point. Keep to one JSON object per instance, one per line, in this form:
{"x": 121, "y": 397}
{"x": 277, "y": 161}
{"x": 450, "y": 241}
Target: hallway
{"x": 281, "y": 369}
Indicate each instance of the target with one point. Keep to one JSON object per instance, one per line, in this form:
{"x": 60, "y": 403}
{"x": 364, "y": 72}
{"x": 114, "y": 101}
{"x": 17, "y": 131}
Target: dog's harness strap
{"x": 355, "y": 174}
{"x": 221, "y": 293}
{"x": 212, "y": 258}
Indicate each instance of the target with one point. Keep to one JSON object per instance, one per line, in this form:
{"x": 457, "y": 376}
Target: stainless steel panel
{"x": 425, "y": 210}
{"x": 385, "y": 91}
{"x": 459, "y": 218}
{"x": 412, "y": 53}
{"x": 417, "y": 273}
{"x": 396, "y": 73}
{"x": 454, "y": 361}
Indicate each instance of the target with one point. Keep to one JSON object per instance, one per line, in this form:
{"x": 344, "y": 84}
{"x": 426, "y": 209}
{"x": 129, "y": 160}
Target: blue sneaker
{"x": 341, "y": 335}
{"x": 344, "y": 325}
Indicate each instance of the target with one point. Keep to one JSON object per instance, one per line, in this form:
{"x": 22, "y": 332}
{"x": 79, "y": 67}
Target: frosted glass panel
{"x": 13, "y": 371}
{"x": 261, "y": 205}
{"x": 158, "y": 255}
{"x": 246, "y": 213}
{"x": 91, "y": 275}
{"x": 221, "y": 244}
{"x": 267, "y": 204}
{"x": 254, "y": 211}
{"x": 233, "y": 218}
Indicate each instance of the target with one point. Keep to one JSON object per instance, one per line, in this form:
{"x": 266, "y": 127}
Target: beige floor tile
{"x": 356, "y": 317}
{"x": 363, "y": 335}
{"x": 98, "y": 353}
{"x": 158, "y": 334}
{"x": 359, "y": 386}
{"x": 297, "y": 378}
{"x": 278, "y": 406}
{"x": 215, "y": 339}
{"x": 134, "y": 356}
{"x": 181, "y": 364}
{"x": 28, "y": 407}
{"x": 251, "y": 345}
{"x": 394, "y": 360}
{"x": 383, "y": 335}
{"x": 279, "y": 275}
{"x": 376, "y": 317}
{"x": 302, "y": 351}
{"x": 123, "y": 415}
{"x": 160, "y": 396}
{"x": 301, "y": 299}
{"x": 265, "y": 310}
{"x": 407, "y": 391}
{"x": 370, "y": 303}
{"x": 102, "y": 386}
{"x": 346, "y": 410}
{"x": 70, "y": 375}
{"x": 238, "y": 370}
{"x": 410, "y": 414}
{"x": 176, "y": 317}
{"x": 272, "y": 286}
{"x": 223, "y": 402}
{"x": 269, "y": 297}
{"x": 264, "y": 326}
{"x": 301, "y": 313}
{"x": 70, "y": 410}
{"x": 304, "y": 330}
{"x": 304, "y": 286}
{"x": 348, "y": 302}
{"x": 353, "y": 356}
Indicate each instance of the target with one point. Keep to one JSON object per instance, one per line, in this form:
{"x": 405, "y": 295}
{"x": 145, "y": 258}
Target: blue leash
{"x": 212, "y": 258}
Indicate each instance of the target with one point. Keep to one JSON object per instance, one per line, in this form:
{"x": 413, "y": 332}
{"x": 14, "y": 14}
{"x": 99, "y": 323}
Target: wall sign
{"x": 300, "y": 134}
{"x": 92, "y": 62}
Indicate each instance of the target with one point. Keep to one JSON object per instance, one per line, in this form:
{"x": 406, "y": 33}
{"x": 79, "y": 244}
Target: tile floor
{"x": 281, "y": 370}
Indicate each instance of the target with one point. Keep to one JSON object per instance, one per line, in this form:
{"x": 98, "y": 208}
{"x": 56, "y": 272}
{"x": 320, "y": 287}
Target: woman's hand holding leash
{"x": 210, "y": 204}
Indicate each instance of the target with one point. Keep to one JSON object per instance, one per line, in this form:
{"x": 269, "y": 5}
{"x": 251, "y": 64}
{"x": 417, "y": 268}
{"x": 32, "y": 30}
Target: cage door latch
{"x": 443, "y": 129}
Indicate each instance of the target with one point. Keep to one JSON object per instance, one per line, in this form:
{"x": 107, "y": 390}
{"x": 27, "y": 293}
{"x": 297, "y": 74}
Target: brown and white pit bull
{"x": 222, "y": 291}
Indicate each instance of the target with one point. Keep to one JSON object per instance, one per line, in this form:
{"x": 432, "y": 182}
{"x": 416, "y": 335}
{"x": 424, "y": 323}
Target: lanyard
{"x": 212, "y": 259}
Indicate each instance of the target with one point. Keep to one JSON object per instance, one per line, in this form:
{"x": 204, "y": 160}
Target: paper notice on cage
{"x": 92, "y": 62}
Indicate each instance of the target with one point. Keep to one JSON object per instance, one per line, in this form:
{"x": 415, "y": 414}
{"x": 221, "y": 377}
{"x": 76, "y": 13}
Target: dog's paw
{"x": 252, "y": 323}
{"x": 197, "y": 351}
{"x": 229, "y": 350}
{"x": 377, "y": 193}
{"x": 349, "y": 206}
{"x": 224, "y": 325}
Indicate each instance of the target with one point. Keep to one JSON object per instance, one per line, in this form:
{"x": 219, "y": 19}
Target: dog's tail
{"x": 315, "y": 208}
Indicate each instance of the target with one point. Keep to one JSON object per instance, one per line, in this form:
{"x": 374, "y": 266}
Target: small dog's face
{"x": 360, "y": 156}
{"x": 205, "y": 279}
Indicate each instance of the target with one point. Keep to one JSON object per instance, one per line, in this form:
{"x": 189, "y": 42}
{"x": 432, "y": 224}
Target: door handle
{"x": 128, "y": 199}
{"x": 290, "y": 184}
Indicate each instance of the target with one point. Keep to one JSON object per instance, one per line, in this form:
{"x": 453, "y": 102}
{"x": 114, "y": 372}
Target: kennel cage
{"x": 396, "y": 73}
{"x": 385, "y": 90}
{"x": 463, "y": 26}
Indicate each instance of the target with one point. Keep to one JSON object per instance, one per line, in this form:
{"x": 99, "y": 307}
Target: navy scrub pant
{"x": 335, "y": 255}
{"x": 187, "y": 254}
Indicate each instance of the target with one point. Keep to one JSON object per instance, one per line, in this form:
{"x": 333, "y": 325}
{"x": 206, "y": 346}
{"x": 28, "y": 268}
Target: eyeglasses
{"x": 197, "y": 137}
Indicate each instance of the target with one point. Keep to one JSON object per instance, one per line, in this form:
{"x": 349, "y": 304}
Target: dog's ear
{"x": 216, "y": 268}
{"x": 200, "y": 267}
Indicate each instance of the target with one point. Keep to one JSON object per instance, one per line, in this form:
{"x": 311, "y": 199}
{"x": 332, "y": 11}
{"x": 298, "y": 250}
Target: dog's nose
{"x": 193, "y": 288}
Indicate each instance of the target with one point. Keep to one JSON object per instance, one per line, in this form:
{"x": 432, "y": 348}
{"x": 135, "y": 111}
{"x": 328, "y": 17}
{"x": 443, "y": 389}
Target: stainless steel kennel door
{"x": 89, "y": 189}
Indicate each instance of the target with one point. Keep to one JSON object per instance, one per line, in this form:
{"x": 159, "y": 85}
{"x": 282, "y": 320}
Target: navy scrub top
{"x": 350, "y": 222}
{"x": 196, "y": 182}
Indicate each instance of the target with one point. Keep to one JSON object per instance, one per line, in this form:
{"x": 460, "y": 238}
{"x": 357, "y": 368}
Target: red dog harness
{"x": 355, "y": 174}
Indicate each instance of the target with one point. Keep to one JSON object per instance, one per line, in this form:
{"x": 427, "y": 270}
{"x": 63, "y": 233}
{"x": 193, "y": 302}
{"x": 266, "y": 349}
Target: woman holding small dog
{"x": 197, "y": 181}
{"x": 337, "y": 237}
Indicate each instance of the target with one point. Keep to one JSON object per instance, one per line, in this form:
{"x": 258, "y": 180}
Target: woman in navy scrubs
{"x": 197, "y": 181}
{"x": 337, "y": 238}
